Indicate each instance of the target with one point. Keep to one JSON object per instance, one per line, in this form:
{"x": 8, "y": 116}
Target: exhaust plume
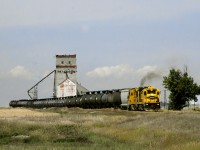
{"x": 150, "y": 76}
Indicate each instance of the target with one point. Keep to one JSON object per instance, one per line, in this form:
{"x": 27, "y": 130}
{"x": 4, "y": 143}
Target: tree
{"x": 182, "y": 88}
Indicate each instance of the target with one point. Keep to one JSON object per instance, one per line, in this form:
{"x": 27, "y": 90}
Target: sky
{"x": 117, "y": 42}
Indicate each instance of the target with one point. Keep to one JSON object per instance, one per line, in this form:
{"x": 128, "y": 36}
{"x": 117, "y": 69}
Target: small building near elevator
{"x": 65, "y": 81}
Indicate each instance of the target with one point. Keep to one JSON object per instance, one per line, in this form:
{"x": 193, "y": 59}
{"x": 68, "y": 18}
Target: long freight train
{"x": 142, "y": 98}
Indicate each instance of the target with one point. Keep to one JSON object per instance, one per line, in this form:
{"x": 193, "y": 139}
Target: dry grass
{"x": 77, "y": 128}
{"x": 23, "y": 113}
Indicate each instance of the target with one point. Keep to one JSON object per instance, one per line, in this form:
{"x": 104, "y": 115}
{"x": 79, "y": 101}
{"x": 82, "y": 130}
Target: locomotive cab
{"x": 151, "y": 98}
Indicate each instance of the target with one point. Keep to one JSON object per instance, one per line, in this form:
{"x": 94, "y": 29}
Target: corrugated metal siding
{"x": 124, "y": 96}
{"x": 66, "y": 88}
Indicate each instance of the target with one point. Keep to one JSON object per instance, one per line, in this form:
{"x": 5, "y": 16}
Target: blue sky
{"x": 117, "y": 42}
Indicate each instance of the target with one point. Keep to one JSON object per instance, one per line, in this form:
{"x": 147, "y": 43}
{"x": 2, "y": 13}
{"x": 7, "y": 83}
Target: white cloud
{"x": 118, "y": 71}
{"x": 122, "y": 70}
{"x": 124, "y": 75}
{"x": 20, "y": 72}
{"x": 62, "y": 12}
{"x": 146, "y": 69}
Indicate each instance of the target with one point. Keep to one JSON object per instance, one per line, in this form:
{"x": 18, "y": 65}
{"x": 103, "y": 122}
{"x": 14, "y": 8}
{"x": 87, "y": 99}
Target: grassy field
{"x": 75, "y": 128}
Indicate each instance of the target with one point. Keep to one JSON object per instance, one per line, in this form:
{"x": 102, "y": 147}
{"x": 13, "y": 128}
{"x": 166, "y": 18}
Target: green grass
{"x": 107, "y": 129}
{"x": 16, "y": 135}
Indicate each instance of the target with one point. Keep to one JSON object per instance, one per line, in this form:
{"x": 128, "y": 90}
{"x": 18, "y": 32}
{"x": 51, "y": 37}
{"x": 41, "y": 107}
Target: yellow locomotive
{"x": 144, "y": 98}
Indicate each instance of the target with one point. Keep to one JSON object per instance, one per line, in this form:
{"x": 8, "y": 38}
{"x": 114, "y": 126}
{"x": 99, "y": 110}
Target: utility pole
{"x": 164, "y": 98}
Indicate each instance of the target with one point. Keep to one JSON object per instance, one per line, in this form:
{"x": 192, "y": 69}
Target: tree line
{"x": 182, "y": 88}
